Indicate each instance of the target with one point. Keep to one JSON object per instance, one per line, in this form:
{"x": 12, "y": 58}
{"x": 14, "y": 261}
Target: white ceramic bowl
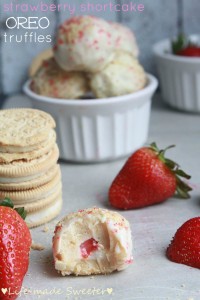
{"x": 100, "y": 129}
{"x": 179, "y": 77}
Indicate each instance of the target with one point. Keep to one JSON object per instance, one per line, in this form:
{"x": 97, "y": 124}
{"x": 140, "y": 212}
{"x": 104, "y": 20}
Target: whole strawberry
{"x": 190, "y": 51}
{"x": 184, "y": 47}
{"x": 147, "y": 178}
{"x": 15, "y": 243}
{"x": 185, "y": 246}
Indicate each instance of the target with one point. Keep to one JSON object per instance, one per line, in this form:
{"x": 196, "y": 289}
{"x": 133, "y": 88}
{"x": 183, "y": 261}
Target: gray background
{"x": 158, "y": 21}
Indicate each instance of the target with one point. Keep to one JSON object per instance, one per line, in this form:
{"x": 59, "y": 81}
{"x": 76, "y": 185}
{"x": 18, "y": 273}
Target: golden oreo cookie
{"x": 42, "y": 203}
{"x": 29, "y": 182}
{"x": 34, "y": 194}
{"x": 7, "y": 157}
{"x": 44, "y": 215}
{"x": 21, "y": 168}
{"x": 23, "y": 127}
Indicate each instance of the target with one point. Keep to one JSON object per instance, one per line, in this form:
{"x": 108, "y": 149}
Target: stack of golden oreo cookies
{"x": 29, "y": 173}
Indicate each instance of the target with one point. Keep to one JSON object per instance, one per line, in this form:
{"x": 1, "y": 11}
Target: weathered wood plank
{"x": 16, "y": 56}
{"x": 88, "y": 7}
{"x": 157, "y": 21}
{"x": 191, "y": 16}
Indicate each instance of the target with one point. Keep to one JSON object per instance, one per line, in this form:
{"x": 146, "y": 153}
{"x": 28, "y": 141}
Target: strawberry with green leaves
{"x": 15, "y": 243}
{"x": 184, "y": 47}
{"x": 147, "y": 178}
{"x": 185, "y": 246}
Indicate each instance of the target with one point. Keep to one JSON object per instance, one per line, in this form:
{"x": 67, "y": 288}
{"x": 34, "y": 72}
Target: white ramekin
{"x": 179, "y": 77}
{"x": 100, "y": 129}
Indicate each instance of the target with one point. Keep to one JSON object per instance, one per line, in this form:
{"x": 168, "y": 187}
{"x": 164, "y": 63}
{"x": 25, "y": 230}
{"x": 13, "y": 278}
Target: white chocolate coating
{"x": 84, "y": 43}
{"x": 112, "y": 244}
{"x": 125, "y": 39}
{"x": 124, "y": 75}
{"x": 52, "y": 81}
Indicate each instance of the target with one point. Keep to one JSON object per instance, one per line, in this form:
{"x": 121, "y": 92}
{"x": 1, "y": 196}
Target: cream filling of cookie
{"x": 51, "y": 136}
{"x": 11, "y": 180}
{"x": 21, "y": 168}
{"x": 27, "y": 197}
{"x": 44, "y": 215}
{"x": 33, "y": 162}
{"x": 91, "y": 246}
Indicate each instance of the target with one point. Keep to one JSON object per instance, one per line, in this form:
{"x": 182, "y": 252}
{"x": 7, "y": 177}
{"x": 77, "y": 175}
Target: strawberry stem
{"x": 179, "y": 43}
{"x": 8, "y": 203}
{"x": 182, "y": 188}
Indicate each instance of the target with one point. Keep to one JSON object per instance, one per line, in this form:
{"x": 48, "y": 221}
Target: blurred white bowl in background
{"x": 179, "y": 77}
{"x": 99, "y": 129}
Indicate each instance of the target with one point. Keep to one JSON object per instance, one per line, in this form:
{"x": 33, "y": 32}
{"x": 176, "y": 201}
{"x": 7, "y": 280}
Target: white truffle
{"x": 124, "y": 75}
{"x": 51, "y": 81}
{"x": 125, "y": 39}
{"x": 84, "y": 43}
{"x": 92, "y": 241}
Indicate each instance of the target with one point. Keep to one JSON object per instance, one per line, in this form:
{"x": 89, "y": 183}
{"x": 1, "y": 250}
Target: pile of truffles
{"x": 90, "y": 56}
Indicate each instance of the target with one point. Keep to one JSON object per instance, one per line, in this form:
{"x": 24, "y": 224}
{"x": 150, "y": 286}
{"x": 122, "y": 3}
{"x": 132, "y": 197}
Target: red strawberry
{"x": 147, "y": 178}
{"x": 184, "y": 47}
{"x": 15, "y": 243}
{"x": 192, "y": 51}
{"x": 185, "y": 246}
{"x": 88, "y": 247}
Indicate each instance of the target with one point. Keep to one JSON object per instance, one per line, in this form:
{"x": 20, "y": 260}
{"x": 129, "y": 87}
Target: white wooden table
{"x": 152, "y": 275}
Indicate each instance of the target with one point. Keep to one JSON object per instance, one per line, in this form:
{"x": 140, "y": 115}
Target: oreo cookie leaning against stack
{"x": 29, "y": 173}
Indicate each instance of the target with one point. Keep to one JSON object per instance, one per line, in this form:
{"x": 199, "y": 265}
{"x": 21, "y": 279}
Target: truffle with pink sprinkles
{"x": 124, "y": 75}
{"x": 92, "y": 241}
{"x": 52, "y": 81}
{"x": 125, "y": 39}
{"x": 84, "y": 43}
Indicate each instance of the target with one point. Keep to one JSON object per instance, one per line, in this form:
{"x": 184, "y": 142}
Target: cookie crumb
{"x": 36, "y": 246}
{"x": 45, "y": 229}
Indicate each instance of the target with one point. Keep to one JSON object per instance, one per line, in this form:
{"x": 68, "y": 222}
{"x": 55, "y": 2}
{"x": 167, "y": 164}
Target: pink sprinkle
{"x": 55, "y": 48}
{"x": 74, "y": 20}
{"x": 66, "y": 77}
{"x": 101, "y": 31}
{"x": 129, "y": 261}
{"x": 118, "y": 41}
{"x": 71, "y": 58}
{"x": 60, "y": 42}
{"x": 45, "y": 63}
{"x": 58, "y": 228}
{"x": 32, "y": 85}
{"x": 51, "y": 81}
{"x": 80, "y": 34}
